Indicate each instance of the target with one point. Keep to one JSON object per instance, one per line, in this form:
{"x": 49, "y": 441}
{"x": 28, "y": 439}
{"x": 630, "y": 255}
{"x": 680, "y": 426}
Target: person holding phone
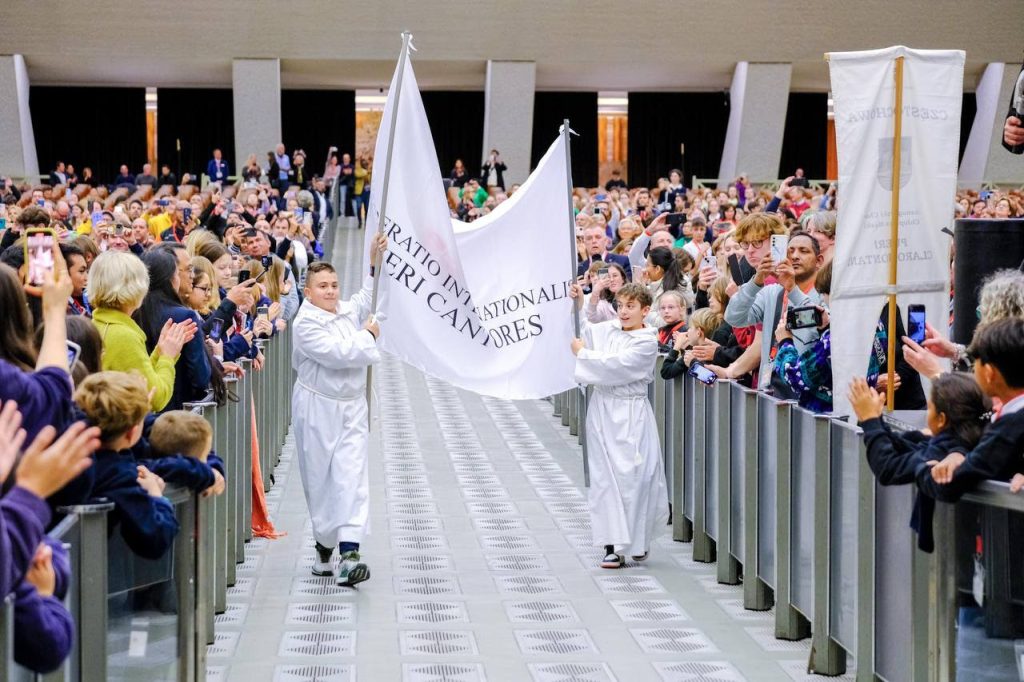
{"x": 760, "y": 304}
{"x": 334, "y": 343}
{"x": 492, "y": 171}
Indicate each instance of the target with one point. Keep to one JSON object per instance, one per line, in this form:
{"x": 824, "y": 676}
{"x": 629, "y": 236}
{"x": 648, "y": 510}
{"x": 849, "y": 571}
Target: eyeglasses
{"x": 205, "y": 290}
{"x": 756, "y": 244}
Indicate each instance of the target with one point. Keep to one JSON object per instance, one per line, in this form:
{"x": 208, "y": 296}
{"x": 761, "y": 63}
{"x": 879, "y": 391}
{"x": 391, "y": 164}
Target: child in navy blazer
{"x": 957, "y": 414}
{"x": 117, "y": 403}
{"x": 178, "y": 449}
{"x": 998, "y": 353}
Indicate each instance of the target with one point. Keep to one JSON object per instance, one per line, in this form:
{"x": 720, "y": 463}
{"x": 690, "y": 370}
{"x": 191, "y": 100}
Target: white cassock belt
{"x": 349, "y": 397}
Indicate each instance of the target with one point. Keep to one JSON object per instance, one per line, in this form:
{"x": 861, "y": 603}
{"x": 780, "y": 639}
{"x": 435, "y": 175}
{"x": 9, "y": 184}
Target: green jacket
{"x": 124, "y": 350}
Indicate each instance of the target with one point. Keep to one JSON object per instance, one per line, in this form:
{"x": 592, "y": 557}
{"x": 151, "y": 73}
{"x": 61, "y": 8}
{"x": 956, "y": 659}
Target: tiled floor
{"x": 482, "y": 568}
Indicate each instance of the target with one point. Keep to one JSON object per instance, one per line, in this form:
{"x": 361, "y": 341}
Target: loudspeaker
{"x": 982, "y": 247}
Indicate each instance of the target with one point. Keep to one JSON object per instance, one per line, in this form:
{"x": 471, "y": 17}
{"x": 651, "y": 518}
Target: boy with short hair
{"x": 997, "y": 350}
{"x": 117, "y": 403}
{"x": 628, "y": 497}
{"x": 179, "y": 451}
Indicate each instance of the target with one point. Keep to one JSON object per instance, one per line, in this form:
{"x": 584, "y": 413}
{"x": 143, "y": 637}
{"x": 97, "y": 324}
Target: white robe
{"x": 329, "y": 412}
{"x": 628, "y": 497}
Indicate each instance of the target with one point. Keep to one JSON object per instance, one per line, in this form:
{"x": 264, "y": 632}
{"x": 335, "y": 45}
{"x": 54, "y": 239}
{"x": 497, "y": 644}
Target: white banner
{"x": 863, "y": 92}
{"x": 483, "y": 305}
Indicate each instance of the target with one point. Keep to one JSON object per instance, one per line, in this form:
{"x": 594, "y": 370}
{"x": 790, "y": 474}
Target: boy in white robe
{"x": 628, "y": 497}
{"x": 334, "y": 342}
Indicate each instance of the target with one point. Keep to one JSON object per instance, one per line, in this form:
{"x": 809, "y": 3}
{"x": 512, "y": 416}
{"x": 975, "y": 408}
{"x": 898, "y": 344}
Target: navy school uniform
{"x": 146, "y": 523}
{"x": 997, "y": 456}
{"x": 895, "y": 458}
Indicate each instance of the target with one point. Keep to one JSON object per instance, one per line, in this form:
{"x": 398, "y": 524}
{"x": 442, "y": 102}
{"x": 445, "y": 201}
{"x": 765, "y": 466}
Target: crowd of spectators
{"x": 157, "y": 291}
{"x": 726, "y": 305}
{"x": 163, "y": 285}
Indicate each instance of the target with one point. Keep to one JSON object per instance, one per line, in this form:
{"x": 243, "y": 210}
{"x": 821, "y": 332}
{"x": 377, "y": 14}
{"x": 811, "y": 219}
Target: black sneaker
{"x": 322, "y": 565}
{"x": 613, "y": 560}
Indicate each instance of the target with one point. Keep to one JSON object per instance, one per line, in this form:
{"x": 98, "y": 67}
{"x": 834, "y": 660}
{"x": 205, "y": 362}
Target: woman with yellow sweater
{"x": 118, "y": 282}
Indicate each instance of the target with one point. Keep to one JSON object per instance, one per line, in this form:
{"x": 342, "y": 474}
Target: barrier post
{"x": 789, "y": 623}
{"x": 728, "y": 568}
{"x": 206, "y": 544}
{"x": 556, "y": 404}
{"x": 245, "y": 459}
{"x": 757, "y": 596}
{"x": 192, "y": 653}
{"x": 827, "y": 657}
{"x": 703, "y": 545}
{"x": 574, "y": 413}
{"x": 89, "y": 587}
{"x": 226, "y": 504}
{"x": 8, "y": 668}
{"x": 682, "y": 531}
{"x": 567, "y": 407}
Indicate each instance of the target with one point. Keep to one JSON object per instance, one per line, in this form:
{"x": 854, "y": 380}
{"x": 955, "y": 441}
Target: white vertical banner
{"x": 863, "y": 92}
{"x": 482, "y": 305}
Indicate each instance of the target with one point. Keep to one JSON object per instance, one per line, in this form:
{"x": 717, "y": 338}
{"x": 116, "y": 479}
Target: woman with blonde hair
{"x": 118, "y": 283}
{"x": 196, "y": 239}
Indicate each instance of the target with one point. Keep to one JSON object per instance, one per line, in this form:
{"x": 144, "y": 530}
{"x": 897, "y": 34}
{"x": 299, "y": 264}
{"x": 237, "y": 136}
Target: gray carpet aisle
{"x": 482, "y": 567}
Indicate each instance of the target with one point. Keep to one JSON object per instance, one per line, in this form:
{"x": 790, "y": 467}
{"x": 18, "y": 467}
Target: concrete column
{"x": 508, "y": 117}
{"x": 17, "y": 141}
{"x": 758, "y": 99}
{"x": 257, "y": 101}
{"x": 985, "y": 159}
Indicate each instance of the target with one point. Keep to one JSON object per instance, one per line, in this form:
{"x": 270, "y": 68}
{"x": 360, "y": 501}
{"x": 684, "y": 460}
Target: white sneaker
{"x": 352, "y": 571}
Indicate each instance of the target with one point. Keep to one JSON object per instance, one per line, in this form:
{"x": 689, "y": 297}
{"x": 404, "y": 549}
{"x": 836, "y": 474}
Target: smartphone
{"x": 186, "y": 213}
{"x": 708, "y": 261}
{"x": 803, "y": 318}
{"x": 263, "y": 311}
{"x": 3, "y": 223}
{"x": 299, "y": 214}
{"x": 916, "y": 322}
{"x": 38, "y": 255}
{"x": 216, "y": 328}
{"x": 702, "y": 373}
{"x": 266, "y": 261}
{"x": 162, "y": 202}
{"x": 95, "y": 217}
{"x": 780, "y": 245}
{"x": 74, "y": 350}
{"x": 602, "y": 273}
{"x": 735, "y": 270}
{"x": 243, "y": 275}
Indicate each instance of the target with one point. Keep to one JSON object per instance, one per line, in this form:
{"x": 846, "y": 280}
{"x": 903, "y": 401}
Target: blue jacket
{"x": 895, "y": 460}
{"x": 192, "y": 372}
{"x": 214, "y": 166}
{"x": 147, "y": 523}
{"x": 996, "y": 456}
{"x": 178, "y": 469}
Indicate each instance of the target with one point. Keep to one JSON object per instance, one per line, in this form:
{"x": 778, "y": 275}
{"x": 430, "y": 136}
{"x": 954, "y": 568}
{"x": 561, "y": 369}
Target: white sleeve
{"x": 326, "y": 348}
{"x": 633, "y": 362}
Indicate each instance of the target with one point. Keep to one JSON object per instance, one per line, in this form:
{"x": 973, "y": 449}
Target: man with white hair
{"x": 146, "y": 177}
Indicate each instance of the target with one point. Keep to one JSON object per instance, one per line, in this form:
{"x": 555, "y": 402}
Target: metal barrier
{"x": 115, "y": 636}
{"x": 783, "y": 500}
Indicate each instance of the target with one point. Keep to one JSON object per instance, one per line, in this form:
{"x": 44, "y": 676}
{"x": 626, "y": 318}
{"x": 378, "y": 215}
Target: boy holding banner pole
{"x": 335, "y": 342}
{"x": 628, "y": 495}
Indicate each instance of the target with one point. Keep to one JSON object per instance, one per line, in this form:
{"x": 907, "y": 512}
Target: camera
{"x": 805, "y": 317}
{"x": 266, "y": 262}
